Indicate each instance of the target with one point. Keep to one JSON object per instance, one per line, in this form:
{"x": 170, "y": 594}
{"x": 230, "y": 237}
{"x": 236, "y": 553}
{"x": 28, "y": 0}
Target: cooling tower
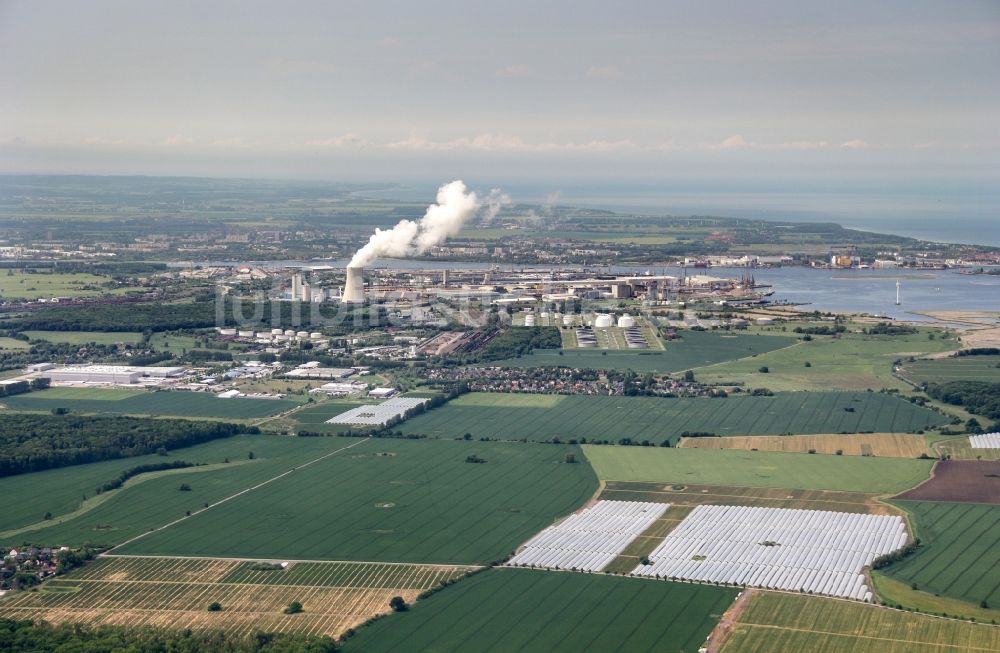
{"x": 354, "y": 287}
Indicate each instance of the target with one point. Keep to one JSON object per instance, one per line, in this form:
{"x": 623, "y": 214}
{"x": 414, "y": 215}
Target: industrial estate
{"x": 388, "y": 451}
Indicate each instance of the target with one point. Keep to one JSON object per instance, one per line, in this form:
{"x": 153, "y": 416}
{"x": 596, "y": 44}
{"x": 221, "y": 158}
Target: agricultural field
{"x": 568, "y": 417}
{"x": 960, "y": 552}
{"x": 175, "y": 593}
{"x": 544, "y": 611}
{"x": 943, "y": 370}
{"x": 893, "y": 445}
{"x": 313, "y": 417}
{"x": 688, "y": 496}
{"x": 18, "y": 284}
{"x": 694, "y": 349}
{"x": 144, "y": 502}
{"x": 785, "y": 622}
{"x": 960, "y": 481}
{"x": 86, "y": 337}
{"x": 164, "y": 403}
{"x": 852, "y": 362}
{"x": 756, "y": 469}
{"x": 391, "y": 500}
{"x": 12, "y": 343}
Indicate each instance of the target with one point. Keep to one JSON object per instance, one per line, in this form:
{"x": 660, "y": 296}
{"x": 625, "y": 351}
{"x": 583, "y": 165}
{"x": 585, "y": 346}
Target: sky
{"x": 771, "y": 89}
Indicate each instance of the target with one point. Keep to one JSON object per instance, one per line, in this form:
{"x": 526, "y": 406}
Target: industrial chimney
{"x": 354, "y": 287}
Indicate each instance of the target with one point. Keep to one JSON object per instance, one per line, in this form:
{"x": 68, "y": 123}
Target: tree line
{"x": 979, "y": 397}
{"x": 30, "y": 443}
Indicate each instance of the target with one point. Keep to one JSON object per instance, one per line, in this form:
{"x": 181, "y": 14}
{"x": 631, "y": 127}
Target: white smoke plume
{"x": 455, "y": 204}
{"x": 495, "y": 202}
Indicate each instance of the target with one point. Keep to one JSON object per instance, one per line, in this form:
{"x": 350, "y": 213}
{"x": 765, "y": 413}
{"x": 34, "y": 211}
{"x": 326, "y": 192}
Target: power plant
{"x": 354, "y": 286}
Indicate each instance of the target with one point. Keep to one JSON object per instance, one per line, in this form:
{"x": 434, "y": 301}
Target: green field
{"x": 141, "y": 506}
{"x": 960, "y": 556}
{"x": 694, "y": 349}
{"x": 13, "y": 343}
{"x": 784, "y": 622}
{"x": 943, "y": 370}
{"x": 154, "y": 403}
{"x": 17, "y": 284}
{"x": 86, "y": 337}
{"x": 543, "y": 611}
{"x": 543, "y": 417}
{"x": 851, "y": 362}
{"x": 392, "y": 500}
{"x": 756, "y": 468}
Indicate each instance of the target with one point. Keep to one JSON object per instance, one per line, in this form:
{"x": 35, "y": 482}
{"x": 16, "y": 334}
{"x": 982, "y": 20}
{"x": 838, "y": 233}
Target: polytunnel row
{"x": 590, "y": 539}
{"x": 814, "y": 551}
{"x": 985, "y": 441}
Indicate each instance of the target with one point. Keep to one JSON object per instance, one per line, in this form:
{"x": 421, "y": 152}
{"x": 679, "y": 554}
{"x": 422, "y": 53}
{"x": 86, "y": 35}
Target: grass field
{"x": 173, "y": 593}
{"x": 756, "y": 469}
{"x": 86, "y": 337}
{"x": 852, "y": 362}
{"x": 13, "y": 343}
{"x": 784, "y": 622}
{"x": 17, "y": 284}
{"x": 942, "y": 370}
{"x": 140, "y": 507}
{"x": 543, "y": 417}
{"x": 158, "y": 404}
{"x": 543, "y": 611}
{"x": 313, "y": 418}
{"x": 691, "y": 495}
{"x": 695, "y": 349}
{"x": 896, "y": 593}
{"x": 960, "y": 556}
{"x": 893, "y": 445}
{"x": 392, "y": 500}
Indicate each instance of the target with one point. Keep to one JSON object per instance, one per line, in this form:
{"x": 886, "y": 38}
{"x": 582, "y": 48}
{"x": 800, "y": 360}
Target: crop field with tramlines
{"x": 176, "y": 593}
{"x": 893, "y": 445}
{"x": 567, "y": 417}
{"x": 960, "y": 556}
{"x": 784, "y": 622}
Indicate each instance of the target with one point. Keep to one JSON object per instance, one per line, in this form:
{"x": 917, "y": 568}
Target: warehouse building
{"x": 112, "y": 374}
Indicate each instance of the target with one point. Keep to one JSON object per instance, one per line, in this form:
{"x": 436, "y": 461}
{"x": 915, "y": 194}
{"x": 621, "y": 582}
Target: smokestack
{"x": 354, "y": 287}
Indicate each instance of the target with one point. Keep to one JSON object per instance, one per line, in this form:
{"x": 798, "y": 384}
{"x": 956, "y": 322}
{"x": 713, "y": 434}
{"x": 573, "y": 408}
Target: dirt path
{"x": 234, "y": 496}
{"x": 729, "y": 621}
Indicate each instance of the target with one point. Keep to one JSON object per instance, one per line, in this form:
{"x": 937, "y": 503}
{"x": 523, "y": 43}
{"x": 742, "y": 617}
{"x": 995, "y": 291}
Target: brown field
{"x": 695, "y": 495}
{"x": 890, "y": 445}
{"x": 175, "y": 593}
{"x": 960, "y": 481}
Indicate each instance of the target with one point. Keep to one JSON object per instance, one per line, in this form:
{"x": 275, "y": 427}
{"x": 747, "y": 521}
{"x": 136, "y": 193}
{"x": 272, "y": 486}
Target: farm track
{"x": 235, "y": 495}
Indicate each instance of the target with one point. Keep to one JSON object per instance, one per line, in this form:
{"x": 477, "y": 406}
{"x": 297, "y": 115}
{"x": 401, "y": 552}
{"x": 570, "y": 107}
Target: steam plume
{"x": 494, "y": 203}
{"x": 455, "y": 204}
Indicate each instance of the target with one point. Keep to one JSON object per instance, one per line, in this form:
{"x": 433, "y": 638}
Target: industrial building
{"x": 113, "y": 374}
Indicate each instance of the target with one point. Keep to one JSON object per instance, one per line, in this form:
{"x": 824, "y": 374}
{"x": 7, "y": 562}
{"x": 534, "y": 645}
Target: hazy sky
{"x": 389, "y": 89}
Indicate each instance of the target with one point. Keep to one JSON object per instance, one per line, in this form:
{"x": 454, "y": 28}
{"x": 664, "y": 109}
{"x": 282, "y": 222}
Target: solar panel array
{"x": 814, "y": 551}
{"x": 377, "y": 414}
{"x": 590, "y": 539}
{"x": 985, "y": 441}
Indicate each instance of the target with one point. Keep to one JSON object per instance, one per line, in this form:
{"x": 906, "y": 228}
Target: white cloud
{"x": 390, "y": 41}
{"x": 177, "y": 140}
{"x": 603, "y": 72}
{"x": 335, "y": 142}
{"x": 514, "y": 70}
{"x": 504, "y": 143}
{"x": 856, "y": 144}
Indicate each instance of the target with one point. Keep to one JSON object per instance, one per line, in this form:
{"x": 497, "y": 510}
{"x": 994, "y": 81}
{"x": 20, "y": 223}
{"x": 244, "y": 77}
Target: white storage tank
{"x": 276, "y": 332}
{"x": 227, "y": 332}
{"x": 626, "y": 321}
{"x": 567, "y": 320}
{"x": 246, "y": 334}
{"x": 603, "y": 321}
{"x": 302, "y": 334}
{"x": 289, "y": 332}
{"x": 263, "y": 335}
{"x": 315, "y": 335}
{"x": 529, "y": 319}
